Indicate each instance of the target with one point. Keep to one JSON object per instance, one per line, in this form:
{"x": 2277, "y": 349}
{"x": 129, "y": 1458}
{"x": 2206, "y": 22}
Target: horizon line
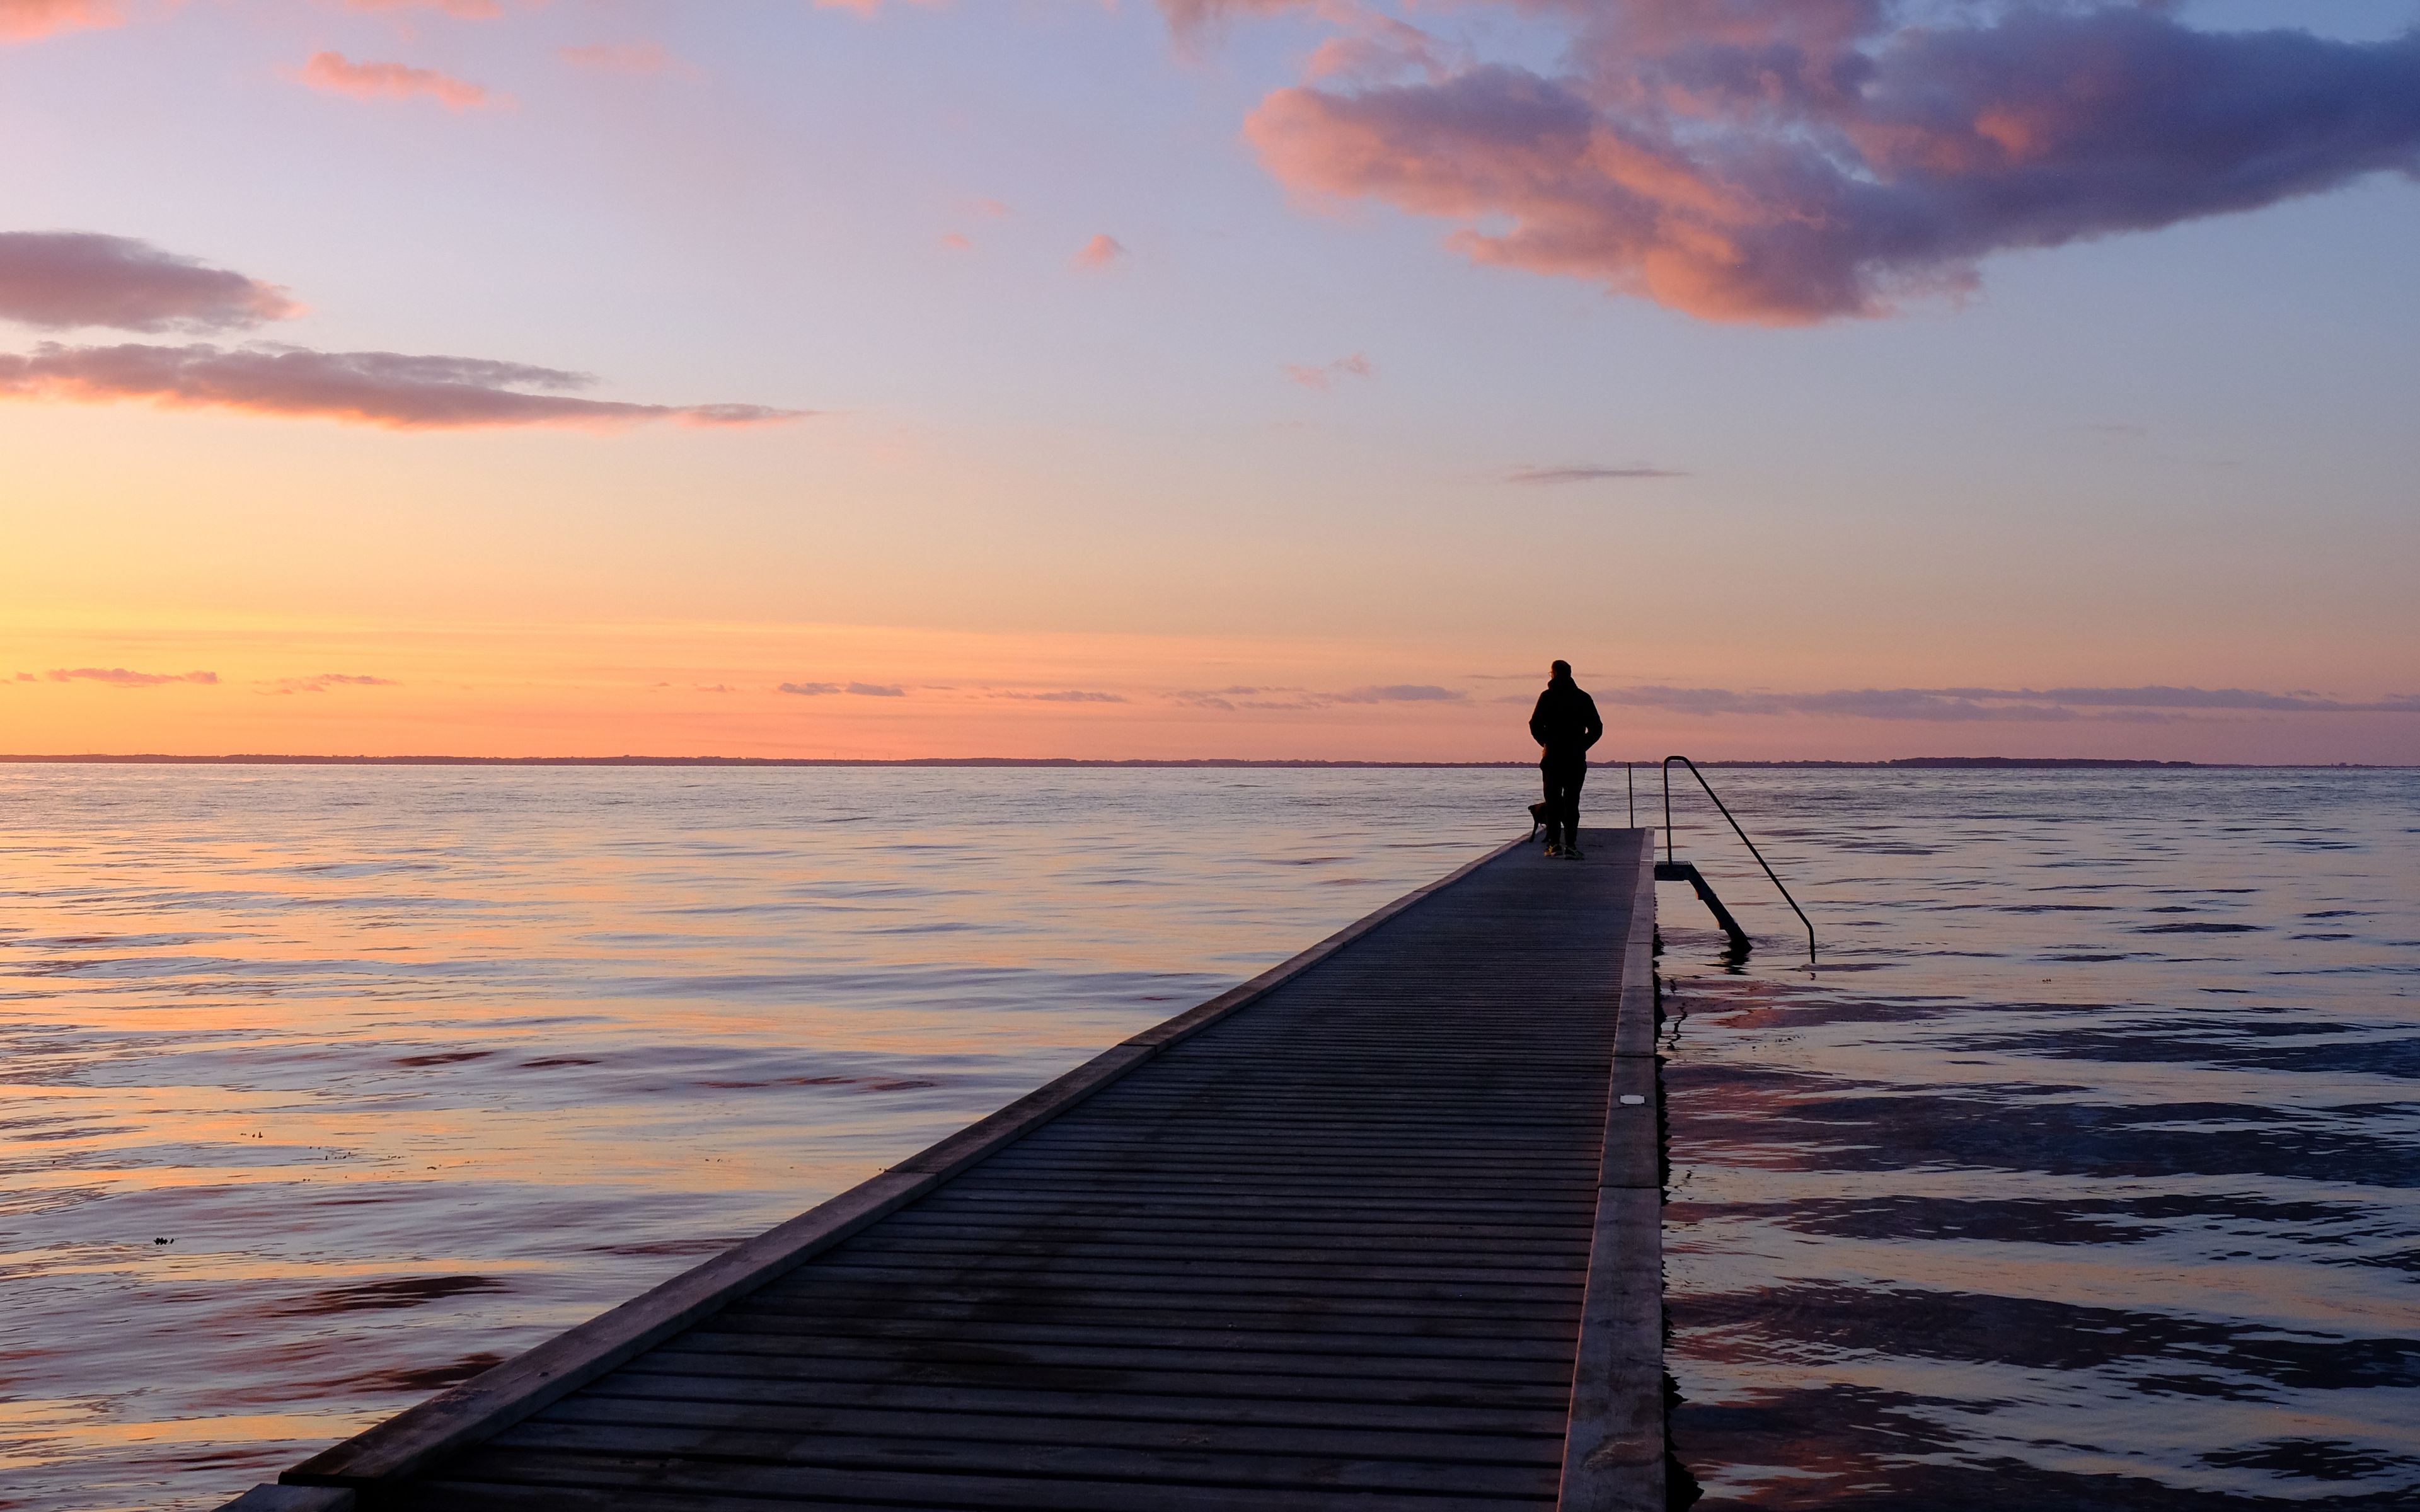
{"x": 1276, "y": 763}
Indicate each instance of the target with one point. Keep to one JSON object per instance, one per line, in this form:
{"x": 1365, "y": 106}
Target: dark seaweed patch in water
{"x": 2311, "y": 1459}
{"x": 1866, "y": 1449}
{"x": 387, "y": 1296}
{"x": 2001, "y": 1222}
{"x": 430, "y": 1378}
{"x": 2198, "y": 926}
{"x": 2037, "y": 1333}
{"x": 1775, "y": 1114}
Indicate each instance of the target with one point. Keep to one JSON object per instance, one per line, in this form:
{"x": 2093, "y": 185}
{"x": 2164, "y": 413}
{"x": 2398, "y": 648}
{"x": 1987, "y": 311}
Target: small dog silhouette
{"x": 1537, "y": 819}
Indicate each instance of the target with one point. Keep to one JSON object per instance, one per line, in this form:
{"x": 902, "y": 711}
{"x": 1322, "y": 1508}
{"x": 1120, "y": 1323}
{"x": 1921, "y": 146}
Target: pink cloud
{"x": 958, "y": 241}
{"x": 618, "y": 57}
{"x": 471, "y": 9}
{"x": 24, "y": 20}
{"x": 325, "y": 680}
{"x": 1103, "y": 251}
{"x": 1326, "y": 374}
{"x": 60, "y": 279}
{"x": 1783, "y": 162}
{"x": 339, "y": 74}
{"x": 120, "y": 677}
{"x": 995, "y": 209}
{"x": 385, "y": 389}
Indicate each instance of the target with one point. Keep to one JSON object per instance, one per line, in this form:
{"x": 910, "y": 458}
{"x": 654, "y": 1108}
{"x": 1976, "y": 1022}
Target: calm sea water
{"x": 2080, "y": 1173}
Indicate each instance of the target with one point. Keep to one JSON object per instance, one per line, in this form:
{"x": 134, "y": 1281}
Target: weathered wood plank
{"x": 913, "y": 1488}
{"x": 851, "y": 1420}
{"x": 701, "y": 1455}
{"x": 1124, "y": 1406}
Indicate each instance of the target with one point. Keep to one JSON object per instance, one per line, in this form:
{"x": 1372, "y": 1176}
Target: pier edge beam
{"x": 1614, "y": 1447}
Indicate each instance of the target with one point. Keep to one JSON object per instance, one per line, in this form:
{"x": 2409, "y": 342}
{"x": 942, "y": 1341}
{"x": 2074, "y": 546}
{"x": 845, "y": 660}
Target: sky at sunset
{"x": 1280, "y": 378}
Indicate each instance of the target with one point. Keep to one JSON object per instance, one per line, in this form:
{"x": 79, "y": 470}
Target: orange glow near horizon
{"x": 860, "y": 692}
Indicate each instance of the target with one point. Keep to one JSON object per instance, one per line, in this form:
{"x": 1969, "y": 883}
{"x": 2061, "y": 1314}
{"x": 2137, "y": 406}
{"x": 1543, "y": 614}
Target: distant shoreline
{"x": 1221, "y": 763}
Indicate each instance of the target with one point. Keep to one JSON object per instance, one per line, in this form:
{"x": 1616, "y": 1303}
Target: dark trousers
{"x": 1563, "y": 780}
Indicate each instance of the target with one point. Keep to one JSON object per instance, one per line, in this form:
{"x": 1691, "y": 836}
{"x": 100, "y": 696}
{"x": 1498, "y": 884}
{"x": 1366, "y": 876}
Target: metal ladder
{"x": 1671, "y": 869}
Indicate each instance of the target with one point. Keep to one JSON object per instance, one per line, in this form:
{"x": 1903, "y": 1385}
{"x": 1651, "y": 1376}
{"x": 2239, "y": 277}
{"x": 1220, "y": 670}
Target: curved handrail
{"x": 1736, "y": 830}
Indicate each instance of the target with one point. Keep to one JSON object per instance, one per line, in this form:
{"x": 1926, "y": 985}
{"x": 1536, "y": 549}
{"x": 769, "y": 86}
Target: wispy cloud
{"x": 1231, "y": 700}
{"x": 619, "y": 57}
{"x": 339, "y": 74}
{"x": 1070, "y": 694}
{"x": 1324, "y": 374}
{"x": 2150, "y": 705}
{"x": 871, "y": 690}
{"x": 1585, "y": 472}
{"x": 1404, "y": 693}
{"x": 56, "y": 280}
{"x": 1102, "y": 253}
{"x": 468, "y": 10}
{"x": 387, "y": 389}
{"x": 325, "y": 681}
{"x": 958, "y": 241}
{"x": 24, "y": 20}
{"x": 120, "y": 677}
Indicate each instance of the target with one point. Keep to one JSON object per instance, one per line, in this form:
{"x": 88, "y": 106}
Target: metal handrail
{"x": 1736, "y": 830}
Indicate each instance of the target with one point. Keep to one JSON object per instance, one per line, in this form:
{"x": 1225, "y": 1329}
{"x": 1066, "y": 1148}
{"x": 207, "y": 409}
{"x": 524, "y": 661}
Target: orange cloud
{"x": 325, "y": 680}
{"x": 958, "y": 241}
{"x": 61, "y": 279}
{"x": 339, "y": 74}
{"x": 120, "y": 677}
{"x": 23, "y": 19}
{"x": 1103, "y": 251}
{"x": 386, "y": 388}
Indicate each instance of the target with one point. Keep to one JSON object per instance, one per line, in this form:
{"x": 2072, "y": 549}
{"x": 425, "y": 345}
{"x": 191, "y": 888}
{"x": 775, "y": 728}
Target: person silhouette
{"x": 1565, "y": 725}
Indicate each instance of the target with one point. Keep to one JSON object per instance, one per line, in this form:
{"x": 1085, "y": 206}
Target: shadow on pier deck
{"x": 1377, "y": 1230}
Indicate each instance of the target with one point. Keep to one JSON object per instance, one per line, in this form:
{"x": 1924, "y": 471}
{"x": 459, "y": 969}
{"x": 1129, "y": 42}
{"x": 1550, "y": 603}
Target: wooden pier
{"x": 1375, "y": 1230}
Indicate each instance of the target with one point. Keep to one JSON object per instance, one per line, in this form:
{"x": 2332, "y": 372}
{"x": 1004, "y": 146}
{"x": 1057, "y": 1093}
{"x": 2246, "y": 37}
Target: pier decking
{"x": 1377, "y": 1230}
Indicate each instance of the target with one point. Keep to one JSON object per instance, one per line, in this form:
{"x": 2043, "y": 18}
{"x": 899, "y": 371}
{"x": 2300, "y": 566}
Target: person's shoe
{"x": 1554, "y": 849}
{"x": 1574, "y": 853}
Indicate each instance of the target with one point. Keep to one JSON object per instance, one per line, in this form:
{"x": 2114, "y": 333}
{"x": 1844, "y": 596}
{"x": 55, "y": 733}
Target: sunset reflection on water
{"x": 2026, "y": 1195}
{"x": 413, "y": 1068}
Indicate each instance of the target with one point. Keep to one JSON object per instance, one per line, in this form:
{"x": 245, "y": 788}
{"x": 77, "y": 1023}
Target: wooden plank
{"x": 1139, "y": 1353}
{"x": 912, "y": 1489}
{"x": 1543, "y": 1446}
{"x": 701, "y": 1455}
{"x": 1099, "y": 1408}
{"x": 1551, "y": 1346}
{"x": 1323, "y": 1315}
{"x": 1180, "y": 1380}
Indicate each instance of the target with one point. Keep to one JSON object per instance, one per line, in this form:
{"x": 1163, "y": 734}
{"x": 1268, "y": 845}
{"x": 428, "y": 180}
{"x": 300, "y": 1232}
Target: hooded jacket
{"x": 1565, "y": 722}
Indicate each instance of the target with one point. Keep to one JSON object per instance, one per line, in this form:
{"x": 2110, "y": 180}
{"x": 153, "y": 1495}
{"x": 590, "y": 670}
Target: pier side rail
{"x": 1614, "y": 1447}
{"x": 463, "y": 1415}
